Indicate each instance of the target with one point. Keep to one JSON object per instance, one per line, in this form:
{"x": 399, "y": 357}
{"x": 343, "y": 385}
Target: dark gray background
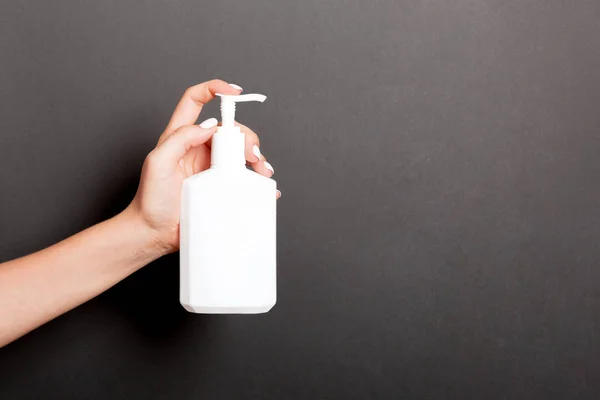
{"x": 440, "y": 220}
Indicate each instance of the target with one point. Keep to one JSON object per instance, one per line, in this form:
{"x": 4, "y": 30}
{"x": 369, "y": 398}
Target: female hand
{"x": 182, "y": 151}
{"x": 38, "y": 287}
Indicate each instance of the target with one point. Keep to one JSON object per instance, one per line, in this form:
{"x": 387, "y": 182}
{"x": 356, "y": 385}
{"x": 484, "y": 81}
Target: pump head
{"x": 228, "y": 106}
{"x": 228, "y": 142}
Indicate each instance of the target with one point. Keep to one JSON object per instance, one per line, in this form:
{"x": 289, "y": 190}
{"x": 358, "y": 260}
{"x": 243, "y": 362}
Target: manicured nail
{"x": 279, "y": 193}
{"x": 256, "y": 151}
{"x": 269, "y": 167}
{"x": 236, "y": 87}
{"x": 209, "y": 123}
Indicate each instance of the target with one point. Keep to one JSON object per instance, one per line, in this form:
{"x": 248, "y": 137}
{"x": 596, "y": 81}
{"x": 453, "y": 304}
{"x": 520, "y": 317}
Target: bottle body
{"x": 228, "y": 242}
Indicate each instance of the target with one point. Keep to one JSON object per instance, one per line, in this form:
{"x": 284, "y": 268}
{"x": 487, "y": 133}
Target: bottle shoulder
{"x": 227, "y": 176}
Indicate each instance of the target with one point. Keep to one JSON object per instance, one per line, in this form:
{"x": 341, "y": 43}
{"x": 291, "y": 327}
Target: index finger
{"x": 189, "y": 107}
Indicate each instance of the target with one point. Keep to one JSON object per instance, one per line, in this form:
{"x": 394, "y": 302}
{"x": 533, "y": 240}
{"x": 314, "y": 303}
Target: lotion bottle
{"x": 228, "y": 228}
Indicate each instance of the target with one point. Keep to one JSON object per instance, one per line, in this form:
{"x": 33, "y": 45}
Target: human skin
{"x": 37, "y": 288}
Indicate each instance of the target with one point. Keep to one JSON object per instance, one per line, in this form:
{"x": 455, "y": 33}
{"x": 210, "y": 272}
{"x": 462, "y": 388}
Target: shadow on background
{"x": 148, "y": 300}
{"x": 140, "y": 319}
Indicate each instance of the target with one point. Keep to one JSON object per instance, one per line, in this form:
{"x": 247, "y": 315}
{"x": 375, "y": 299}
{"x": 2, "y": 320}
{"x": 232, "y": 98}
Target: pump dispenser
{"x": 228, "y": 142}
{"x": 228, "y": 228}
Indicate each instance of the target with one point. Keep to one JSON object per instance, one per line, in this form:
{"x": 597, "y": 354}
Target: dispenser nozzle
{"x": 228, "y": 106}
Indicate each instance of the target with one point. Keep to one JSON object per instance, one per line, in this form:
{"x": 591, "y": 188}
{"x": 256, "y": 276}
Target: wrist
{"x": 149, "y": 242}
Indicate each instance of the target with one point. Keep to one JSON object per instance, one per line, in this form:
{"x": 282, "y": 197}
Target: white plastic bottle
{"x": 228, "y": 223}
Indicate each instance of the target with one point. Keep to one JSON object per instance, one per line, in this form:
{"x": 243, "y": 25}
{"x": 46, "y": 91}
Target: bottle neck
{"x": 227, "y": 148}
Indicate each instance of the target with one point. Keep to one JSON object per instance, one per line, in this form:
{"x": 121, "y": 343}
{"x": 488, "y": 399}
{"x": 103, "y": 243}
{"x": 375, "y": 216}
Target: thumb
{"x": 183, "y": 139}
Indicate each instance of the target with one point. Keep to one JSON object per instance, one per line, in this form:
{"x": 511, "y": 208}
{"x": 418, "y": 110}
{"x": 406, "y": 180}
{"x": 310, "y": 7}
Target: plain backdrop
{"x": 439, "y": 230}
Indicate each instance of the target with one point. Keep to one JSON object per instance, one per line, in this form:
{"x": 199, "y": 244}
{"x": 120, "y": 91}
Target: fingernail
{"x": 209, "y": 123}
{"x": 256, "y": 151}
{"x": 279, "y": 193}
{"x": 236, "y": 87}
{"x": 269, "y": 167}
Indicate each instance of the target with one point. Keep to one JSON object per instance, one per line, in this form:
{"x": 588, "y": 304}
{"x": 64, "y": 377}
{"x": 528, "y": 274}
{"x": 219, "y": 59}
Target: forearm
{"x": 39, "y": 287}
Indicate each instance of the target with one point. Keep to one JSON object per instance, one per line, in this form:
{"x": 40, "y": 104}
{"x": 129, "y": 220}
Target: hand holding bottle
{"x": 38, "y": 287}
{"x": 182, "y": 151}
